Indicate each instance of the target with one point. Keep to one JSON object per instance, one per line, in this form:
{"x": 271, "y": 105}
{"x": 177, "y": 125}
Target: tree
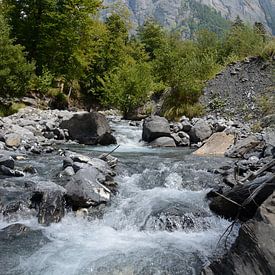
{"x": 58, "y": 35}
{"x": 15, "y": 72}
{"x": 152, "y": 35}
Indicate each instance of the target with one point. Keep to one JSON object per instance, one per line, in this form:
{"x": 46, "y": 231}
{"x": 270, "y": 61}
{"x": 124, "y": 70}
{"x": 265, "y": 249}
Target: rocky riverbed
{"x": 152, "y": 204}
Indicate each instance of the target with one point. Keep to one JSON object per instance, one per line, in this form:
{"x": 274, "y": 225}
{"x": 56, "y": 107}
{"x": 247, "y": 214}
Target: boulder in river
{"x": 200, "y": 131}
{"x": 155, "y": 127}
{"x": 12, "y": 140}
{"x": 254, "y": 249}
{"x": 86, "y": 189}
{"x": 217, "y": 144}
{"x": 89, "y": 128}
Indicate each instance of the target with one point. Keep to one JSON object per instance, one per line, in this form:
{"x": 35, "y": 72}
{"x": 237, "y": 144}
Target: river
{"x": 158, "y": 223}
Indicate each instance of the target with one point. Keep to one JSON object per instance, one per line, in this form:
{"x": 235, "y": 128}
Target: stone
{"x": 10, "y": 172}
{"x": 180, "y": 139}
{"x": 243, "y": 147}
{"x": 268, "y": 121}
{"x": 89, "y": 128}
{"x": 186, "y": 126}
{"x": 7, "y": 161}
{"x": 217, "y": 144}
{"x": 84, "y": 188}
{"x": 155, "y": 127}
{"x": 13, "y": 140}
{"x": 200, "y": 131}
{"x": 254, "y": 249}
{"x": 163, "y": 142}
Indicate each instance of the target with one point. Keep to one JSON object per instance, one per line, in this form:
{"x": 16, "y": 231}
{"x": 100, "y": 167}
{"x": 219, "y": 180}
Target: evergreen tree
{"x": 15, "y": 72}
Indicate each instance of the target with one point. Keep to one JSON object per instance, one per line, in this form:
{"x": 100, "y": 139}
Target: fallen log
{"x": 242, "y": 201}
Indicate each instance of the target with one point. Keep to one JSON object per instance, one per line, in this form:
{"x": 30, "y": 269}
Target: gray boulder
{"x": 163, "y": 142}
{"x": 200, "y": 131}
{"x": 85, "y": 188}
{"x": 89, "y": 128}
{"x": 243, "y": 147}
{"x": 181, "y": 138}
{"x": 7, "y": 161}
{"x": 155, "y": 127}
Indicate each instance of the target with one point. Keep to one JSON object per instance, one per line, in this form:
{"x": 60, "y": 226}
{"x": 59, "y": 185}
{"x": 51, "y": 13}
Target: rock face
{"x": 217, "y": 144}
{"x": 155, "y": 127}
{"x": 89, "y": 128}
{"x": 172, "y": 13}
{"x": 254, "y": 249}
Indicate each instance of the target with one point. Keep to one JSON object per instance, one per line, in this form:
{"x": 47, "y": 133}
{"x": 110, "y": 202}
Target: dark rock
{"x": 67, "y": 162}
{"x": 239, "y": 194}
{"x": 163, "y": 142}
{"x": 89, "y": 128}
{"x": 30, "y": 169}
{"x": 7, "y": 161}
{"x": 155, "y": 127}
{"x": 10, "y": 172}
{"x": 51, "y": 207}
{"x": 254, "y": 249}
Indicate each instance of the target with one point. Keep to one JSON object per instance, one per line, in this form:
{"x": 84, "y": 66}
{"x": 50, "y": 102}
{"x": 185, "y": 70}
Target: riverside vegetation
{"x": 65, "y": 51}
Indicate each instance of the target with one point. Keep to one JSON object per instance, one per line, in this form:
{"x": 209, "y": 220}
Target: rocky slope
{"x": 184, "y": 13}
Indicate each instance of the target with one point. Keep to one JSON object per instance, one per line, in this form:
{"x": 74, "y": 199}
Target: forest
{"x": 66, "y": 50}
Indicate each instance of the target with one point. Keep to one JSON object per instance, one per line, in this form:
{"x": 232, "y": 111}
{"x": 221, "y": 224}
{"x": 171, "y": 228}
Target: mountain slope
{"x": 178, "y": 13}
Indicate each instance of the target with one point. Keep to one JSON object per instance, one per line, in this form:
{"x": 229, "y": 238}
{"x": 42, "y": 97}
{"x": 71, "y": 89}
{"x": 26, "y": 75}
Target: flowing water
{"x": 158, "y": 223}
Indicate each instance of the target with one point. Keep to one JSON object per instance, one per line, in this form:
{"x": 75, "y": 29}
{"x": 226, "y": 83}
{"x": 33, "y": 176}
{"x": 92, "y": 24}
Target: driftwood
{"x": 242, "y": 201}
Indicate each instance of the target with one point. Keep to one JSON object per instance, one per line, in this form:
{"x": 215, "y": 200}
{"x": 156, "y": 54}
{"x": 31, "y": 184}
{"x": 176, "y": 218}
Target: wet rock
{"x": 254, "y": 249}
{"x": 155, "y": 127}
{"x": 89, "y": 128}
{"x": 243, "y": 147}
{"x": 30, "y": 169}
{"x": 10, "y": 172}
{"x": 51, "y": 207}
{"x": 239, "y": 194}
{"x": 68, "y": 171}
{"x": 7, "y": 161}
{"x": 200, "y": 131}
{"x": 12, "y": 140}
{"x": 163, "y": 142}
{"x": 85, "y": 188}
{"x": 217, "y": 144}
{"x": 14, "y": 231}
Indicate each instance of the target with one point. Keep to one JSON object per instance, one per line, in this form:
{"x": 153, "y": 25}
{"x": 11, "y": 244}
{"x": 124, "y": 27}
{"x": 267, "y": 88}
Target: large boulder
{"x": 89, "y": 128}
{"x": 155, "y": 127}
{"x": 200, "y": 131}
{"x": 254, "y": 249}
{"x": 86, "y": 189}
{"x": 217, "y": 144}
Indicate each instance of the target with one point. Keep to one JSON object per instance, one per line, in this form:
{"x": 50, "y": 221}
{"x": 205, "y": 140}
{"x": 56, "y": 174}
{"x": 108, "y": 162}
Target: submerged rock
{"x": 163, "y": 142}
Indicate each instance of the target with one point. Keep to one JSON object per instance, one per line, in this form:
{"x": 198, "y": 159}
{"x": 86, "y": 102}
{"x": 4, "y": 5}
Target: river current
{"x": 158, "y": 223}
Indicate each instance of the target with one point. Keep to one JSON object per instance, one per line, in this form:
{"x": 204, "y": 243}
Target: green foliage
{"x": 268, "y": 51}
{"x": 15, "y": 72}
{"x": 152, "y": 35}
{"x": 128, "y": 87}
{"x": 43, "y": 83}
{"x": 56, "y": 34}
{"x": 266, "y": 104}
